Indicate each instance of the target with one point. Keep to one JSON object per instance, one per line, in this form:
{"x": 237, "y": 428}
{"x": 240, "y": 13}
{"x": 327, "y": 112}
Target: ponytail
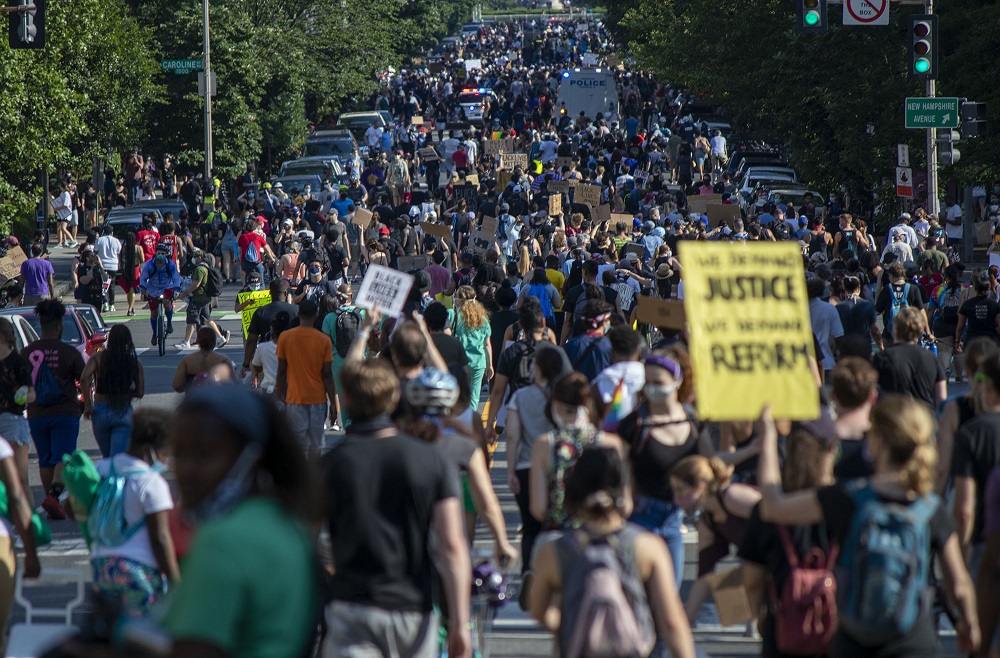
{"x": 918, "y": 474}
{"x": 696, "y": 469}
{"x": 906, "y": 429}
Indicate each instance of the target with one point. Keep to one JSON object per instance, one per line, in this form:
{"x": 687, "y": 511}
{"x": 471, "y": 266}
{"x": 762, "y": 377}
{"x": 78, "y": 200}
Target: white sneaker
{"x": 183, "y": 345}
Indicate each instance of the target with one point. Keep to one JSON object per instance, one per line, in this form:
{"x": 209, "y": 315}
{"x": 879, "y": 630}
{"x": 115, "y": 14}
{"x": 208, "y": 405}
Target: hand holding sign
{"x": 385, "y": 289}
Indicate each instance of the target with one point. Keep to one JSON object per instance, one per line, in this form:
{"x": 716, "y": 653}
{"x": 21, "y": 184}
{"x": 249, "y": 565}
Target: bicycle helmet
{"x": 432, "y": 392}
{"x": 163, "y": 247}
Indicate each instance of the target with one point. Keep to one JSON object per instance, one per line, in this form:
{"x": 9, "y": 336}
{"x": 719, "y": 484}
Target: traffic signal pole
{"x": 933, "y": 206}
{"x": 206, "y": 55}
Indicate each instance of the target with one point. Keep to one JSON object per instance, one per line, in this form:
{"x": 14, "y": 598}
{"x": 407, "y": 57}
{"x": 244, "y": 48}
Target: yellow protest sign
{"x": 750, "y": 336}
{"x": 259, "y": 298}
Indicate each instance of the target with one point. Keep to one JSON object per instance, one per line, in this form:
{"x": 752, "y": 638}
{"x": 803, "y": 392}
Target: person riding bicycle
{"x": 159, "y": 276}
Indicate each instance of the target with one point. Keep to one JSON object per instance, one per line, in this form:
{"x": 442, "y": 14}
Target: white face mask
{"x": 657, "y": 394}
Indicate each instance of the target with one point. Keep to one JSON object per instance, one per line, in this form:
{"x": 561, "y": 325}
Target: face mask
{"x": 160, "y": 259}
{"x": 233, "y": 488}
{"x": 579, "y": 418}
{"x": 156, "y": 465}
{"x": 313, "y": 271}
{"x": 657, "y": 394}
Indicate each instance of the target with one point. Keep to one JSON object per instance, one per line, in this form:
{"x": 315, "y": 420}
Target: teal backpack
{"x": 106, "y": 523}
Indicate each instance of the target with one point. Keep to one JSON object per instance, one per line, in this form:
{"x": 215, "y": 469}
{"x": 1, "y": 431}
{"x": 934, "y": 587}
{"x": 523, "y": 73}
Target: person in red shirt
{"x": 460, "y": 158}
{"x": 147, "y": 239}
{"x": 170, "y": 239}
{"x": 253, "y": 248}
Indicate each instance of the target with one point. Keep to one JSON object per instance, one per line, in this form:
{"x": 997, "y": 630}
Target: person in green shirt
{"x": 344, "y": 296}
{"x": 199, "y": 308}
{"x": 937, "y": 258}
{"x": 248, "y": 584}
{"x": 472, "y": 328}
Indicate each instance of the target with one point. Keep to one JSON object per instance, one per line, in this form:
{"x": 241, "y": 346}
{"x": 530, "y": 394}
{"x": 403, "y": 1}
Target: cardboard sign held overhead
{"x": 700, "y": 202}
{"x": 489, "y": 227}
{"x": 429, "y": 154}
{"x": 385, "y": 288}
{"x": 410, "y": 263}
{"x": 472, "y": 179}
{"x": 417, "y": 121}
{"x": 10, "y": 265}
{"x": 468, "y": 192}
{"x": 588, "y": 194}
{"x": 602, "y": 213}
{"x": 511, "y": 160}
{"x": 555, "y": 204}
{"x": 661, "y": 313}
{"x": 491, "y": 147}
{"x": 260, "y": 298}
{"x": 557, "y": 186}
{"x": 621, "y": 217}
{"x": 437, "y": 230}
{"x": 362, "y": 217}
{"x": 724, "y": 212}
{"x": 503, "y": 178}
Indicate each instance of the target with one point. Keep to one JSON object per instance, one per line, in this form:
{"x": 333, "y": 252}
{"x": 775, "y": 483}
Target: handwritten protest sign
{"x": 409, "y": 263}
{"x": 751, "y": 340}
{"x": 557, "y": 186}
{"x": 490, "y": 226}
{"x": 10, "y": 265}
{"x": 724, "y": 212}
{"x": 700, "y": 202}
{"x": 417, "y": 121}
{"x": 590, "y": 194}
{"x": 621, "y": 217}
{"x": 637, "y": 249}
{"x": 468, "y": 192}
{"x": 259, "y": 298}
{"x": 602, "y": 213}
{"x": 429, "y": 154}
{"x": 362, "y": 217}
{"x": 491, "y": 147}
{"x": 472, "y": 179}
{"x": 555, "y": 204}
{"x": 437, "y": 230}
{"x": 385, "y": 288}
{"x": 661, "y": 313}
{"x": 511, "y": 160}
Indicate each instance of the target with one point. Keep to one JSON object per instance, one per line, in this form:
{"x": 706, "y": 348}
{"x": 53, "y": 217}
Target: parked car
{"x": 359, "y": 122}
{"x": 162, "y": 206}
{"x": 773, "y": 160}
{"x": 125, "y": 220}
{"x": 24, "y": 333}
{"x": 747, "y": 192}
{"x": 340, "y": 145}
{"x": 76, "y": 330}
{"x": 324, "y": 167}
{"x": 294, "y": 184}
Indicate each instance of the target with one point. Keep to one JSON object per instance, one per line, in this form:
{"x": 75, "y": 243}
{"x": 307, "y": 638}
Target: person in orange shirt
{"x": 305, "y": 379}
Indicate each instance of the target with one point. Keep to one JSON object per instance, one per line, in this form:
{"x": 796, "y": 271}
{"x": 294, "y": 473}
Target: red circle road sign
{"x": 866, "y": 11}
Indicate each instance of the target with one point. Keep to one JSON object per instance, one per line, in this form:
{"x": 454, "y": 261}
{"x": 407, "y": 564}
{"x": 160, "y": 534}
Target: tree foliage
{"x": 833, "y": 101}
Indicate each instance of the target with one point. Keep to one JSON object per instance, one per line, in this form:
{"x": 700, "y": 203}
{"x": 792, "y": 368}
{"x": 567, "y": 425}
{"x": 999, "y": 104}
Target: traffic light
{"x": 947, "y": 153}
{"x": 810, "y": 16}
{"x": 27, "y": 28}
{"x": 973, "y": 119}
{"x": 923, "y": 57}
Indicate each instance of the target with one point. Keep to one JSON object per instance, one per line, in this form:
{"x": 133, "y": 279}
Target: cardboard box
{"x": 732, "y": 600}
{"x": 362, "y": 217}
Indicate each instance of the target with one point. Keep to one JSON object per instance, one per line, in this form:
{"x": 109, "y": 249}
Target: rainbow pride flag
{"x": 613, "y": 414}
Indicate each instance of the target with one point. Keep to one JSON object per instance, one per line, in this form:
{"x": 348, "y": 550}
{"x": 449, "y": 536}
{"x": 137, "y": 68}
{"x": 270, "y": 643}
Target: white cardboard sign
{"x": 385, "y": 288}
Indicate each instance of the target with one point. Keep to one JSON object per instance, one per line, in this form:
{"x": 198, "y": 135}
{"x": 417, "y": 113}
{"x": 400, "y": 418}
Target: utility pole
{"x": 207, "y": 62}
{"x": 932, "y": 161}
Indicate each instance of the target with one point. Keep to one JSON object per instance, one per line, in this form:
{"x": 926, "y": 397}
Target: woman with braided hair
{"x": 110, "y": 380}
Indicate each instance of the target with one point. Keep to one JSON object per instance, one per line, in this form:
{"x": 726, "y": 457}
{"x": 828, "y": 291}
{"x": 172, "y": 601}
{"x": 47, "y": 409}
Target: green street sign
{"x": 182, "y": 66}
{"x": 932, "y": 113}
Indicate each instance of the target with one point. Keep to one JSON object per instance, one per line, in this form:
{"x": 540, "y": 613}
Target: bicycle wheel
{"x": 161, "y": 331}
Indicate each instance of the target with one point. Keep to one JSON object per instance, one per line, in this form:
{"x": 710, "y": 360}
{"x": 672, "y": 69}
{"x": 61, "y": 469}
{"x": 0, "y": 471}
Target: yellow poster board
{"x": 750, "y": 336}
{"x": 260, "y": 298}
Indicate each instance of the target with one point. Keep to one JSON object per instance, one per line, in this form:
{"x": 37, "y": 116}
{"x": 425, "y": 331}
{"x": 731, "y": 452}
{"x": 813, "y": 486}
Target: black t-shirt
{"x": 854, "y": 461}
{"x": 981, "y": 317}
{"x": 381, "y": 495}
{"x": 509, "y": 362}
{"x": 976, "y": 452}
{"x": 499, "y": 322}
{"x": 260, "y": 322}
{"x": 66, "y": 365}
{"x": 911, "y": 370}
{"x": 762, "y": 545}
{"x": 451, "y": 350}
{"x": 14, "y": 373}
{"x": 838, "y": 512}
{"x": 883, "y": 304}
{"x": 577, "y": 293}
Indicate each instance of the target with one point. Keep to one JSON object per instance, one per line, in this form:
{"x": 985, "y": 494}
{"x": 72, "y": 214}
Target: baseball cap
{"x": 803, "y": 221}
{"x": 383, "y": 231}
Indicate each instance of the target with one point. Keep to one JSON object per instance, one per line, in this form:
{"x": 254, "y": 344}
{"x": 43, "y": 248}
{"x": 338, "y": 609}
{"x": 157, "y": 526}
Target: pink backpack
{"x": 805, "y": 615}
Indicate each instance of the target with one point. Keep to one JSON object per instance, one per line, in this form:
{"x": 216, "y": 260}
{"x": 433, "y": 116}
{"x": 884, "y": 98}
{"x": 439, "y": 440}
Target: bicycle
{"x": 489, "y": 594}
{"x": 161, "y": 324}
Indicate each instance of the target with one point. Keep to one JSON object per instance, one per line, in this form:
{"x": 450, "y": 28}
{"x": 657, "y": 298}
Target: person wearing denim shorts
{"x": 54, "y": 415}
{"x": 15, "y": 390}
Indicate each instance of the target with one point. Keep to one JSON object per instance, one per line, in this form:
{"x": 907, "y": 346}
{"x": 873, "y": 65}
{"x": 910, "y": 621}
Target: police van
{"x": 588, "y": 90}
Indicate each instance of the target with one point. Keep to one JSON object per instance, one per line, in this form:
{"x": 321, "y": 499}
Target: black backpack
{"x": 781, "y": 230}
{"x": 213, "y": 282}
{"x": 348, "y": 322}
{"x": 525, "y": 366}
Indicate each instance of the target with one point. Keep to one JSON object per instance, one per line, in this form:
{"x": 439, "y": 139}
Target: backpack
{"x": 883, "y": 570}
{"x": 605, "y": 611}
{"x": 486, "y": 293}
{"x": 805, "y": 613}
{"x": 949, "y": 302}
{"x": 781, "y": 230}
{"x": 252, "y": 255}
{"x": 106, "y": 519}
{"x": 47, "y": 389}
{"x": 213, "y": 282}
{"x": 347, "y": 323}
{"x": 539, "y": 292}
{"x": 896, "y": 303}
{"x": 524, "y": 375}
